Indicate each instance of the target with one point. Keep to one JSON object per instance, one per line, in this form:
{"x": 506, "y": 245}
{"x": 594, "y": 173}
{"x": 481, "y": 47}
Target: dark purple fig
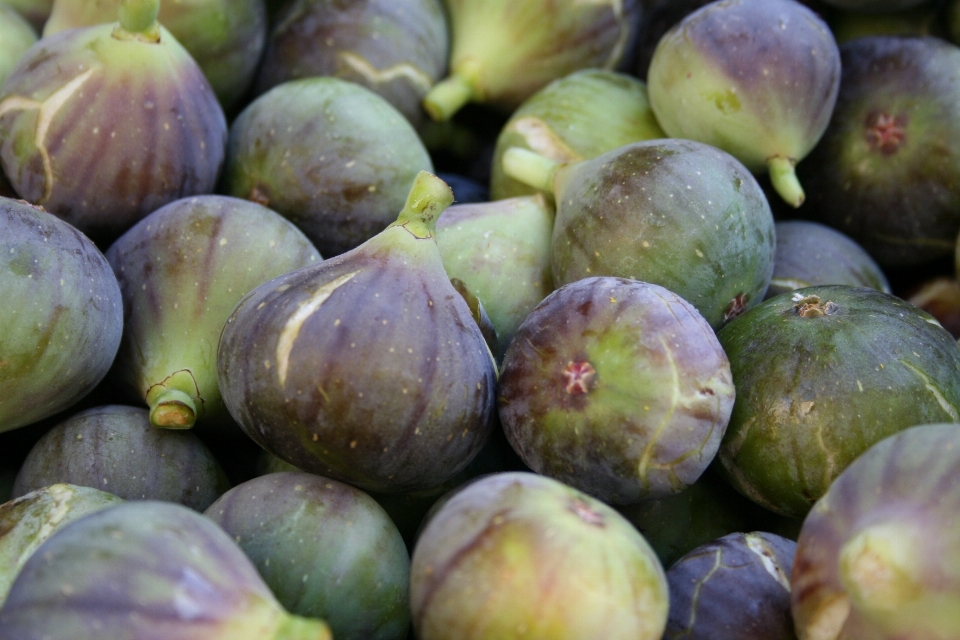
{"x": 887, "y": 171}
{"x": 61, "y": 318}
{"x": 150, "y": 571}
{"x": 325, "y": 549}
{"x": 182, "y": 270}
{"x": 822, "y": 374}
{"x": 104, "y": 124}
{"x": 940, "y": 297}
{"x": 809, "y": 253}
{"x": 16, "y": 36}
{"x": 733, "y": 588}
{"x": 330, "y": 155}
{"x": 503, "y": 51}
{"x": 676, "y": 213}
{"x": 756, "y": 78}
{"x": 616, "y": 387}
{"x": 369, "y": 367}
{"x": 396, "y": 49}
{"x": 879, "y": 555}
{"x": 113, "y": 448}
{"x": 519, "y": 555}
{"x": 27, "y": 522}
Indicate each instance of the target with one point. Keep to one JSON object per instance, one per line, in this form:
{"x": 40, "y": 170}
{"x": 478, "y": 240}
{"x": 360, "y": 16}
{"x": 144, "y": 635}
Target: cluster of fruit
{"x": 479, "y": 319}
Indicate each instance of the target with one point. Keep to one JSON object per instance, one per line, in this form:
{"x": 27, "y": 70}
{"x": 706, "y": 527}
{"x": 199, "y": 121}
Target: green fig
{"x": 756, "y": 78}
{"x": 369, "y": 367}
{"x": 61, "y": 317}
{"x": 35, "y": 11}
{"x": 16, "y": 36}
{"x": 503, "y": 51}
{"x": 104, "y": 124}
{"x": 181, "y": 271}
{"x": 150, "y": 571}
{"x": 330, "y": 155}
{"x": 113, "y": 448}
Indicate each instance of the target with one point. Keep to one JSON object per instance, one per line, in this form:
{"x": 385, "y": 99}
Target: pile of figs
{"x": 479, "y": 319}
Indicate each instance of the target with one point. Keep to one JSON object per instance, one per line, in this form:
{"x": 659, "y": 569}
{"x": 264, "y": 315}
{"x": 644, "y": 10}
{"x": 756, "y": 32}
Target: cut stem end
{"x": 173, "y": 409}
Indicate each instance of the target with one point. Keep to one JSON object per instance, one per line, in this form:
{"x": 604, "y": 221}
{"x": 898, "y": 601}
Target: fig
{"x": 560, "y": 122}
{"x": 879, "y": 6}
{"x": 500, "y": 252}
{"x": 504, "y": 51}
{"x": 325, "y": 549}
{"x": 16, "y": 36}
{"x": 821, "y": 374}
{"x": 756, "y": 78}
{"x": 146, "y": 570}
{"x": 677, "y": 213}
{"x": 879, "y": 555}
{"x": 102, "y": 125}
{"x": 516, "y": 555}
{"x": 331, "y": 156}
{"x": 809, "y": 253}
{"x": 26, "y": 522}
{"x": 369, "y": 367}
{"x": 114, "y": 449}
{"x": 181, "y": 270}
{"x": 396, "y": 49}
{"x": 940, "y": 297}
{"x": 35, "y": 11}
{"x": 886, "y": 171}
{"x": 62, "y": 315}
{"x": 733, "y": 588}
{"x": 926, "y": 19}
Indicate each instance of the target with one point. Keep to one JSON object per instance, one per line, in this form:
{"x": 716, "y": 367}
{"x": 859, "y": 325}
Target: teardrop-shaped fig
{"x": 368, "y": 367}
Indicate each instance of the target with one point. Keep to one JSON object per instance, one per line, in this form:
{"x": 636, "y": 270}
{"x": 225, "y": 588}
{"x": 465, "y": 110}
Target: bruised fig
{"x": 756, "y": 78}
{"x": 369, "y": 367}
{"x": 503, "y": 51}
{"x": 102, "y": 125}
{"x": 181, "y": 270}
{"x": 146, "y": 570}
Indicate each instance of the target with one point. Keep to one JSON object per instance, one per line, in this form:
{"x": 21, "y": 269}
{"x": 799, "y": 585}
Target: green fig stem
{"x": 784, "y": 178}
{"x": 427, "y": 199}
{"x": 173, "y": 409}
{"x": 530, "y": 168}
{"x": 449, "y": 96}
{"x": 138, "y": 21}
{"x": 299, "y": 628}
{"x": 879, "y": 567}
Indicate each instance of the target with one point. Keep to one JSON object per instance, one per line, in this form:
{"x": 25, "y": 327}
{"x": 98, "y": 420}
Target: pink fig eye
{"x": 579, "y": 377}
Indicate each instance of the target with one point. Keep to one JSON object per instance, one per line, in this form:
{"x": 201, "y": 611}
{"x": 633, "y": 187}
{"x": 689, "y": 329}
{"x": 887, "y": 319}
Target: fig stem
{"x": 448, "y": 96}
{"x": 880, "y": 568}
{"x": 173, "y": 409}
{"x": 530, "y": 168}
{"x": 783, "y": 175}
{"x": 138, "y": 20}
{"x": 294, "y": 627}
{"x": 427, "y": 199}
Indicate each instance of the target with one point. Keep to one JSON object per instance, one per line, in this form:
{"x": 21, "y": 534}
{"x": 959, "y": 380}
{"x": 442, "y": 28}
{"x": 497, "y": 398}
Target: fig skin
{"x": 325, "y": 549}
{"x": 368, "y": 368}
{"x": 35, "y": 11}
{"x": 101, "y": 126}
{"x": 146, "y": 570}
{"x": 823, "y": 373}
{"x": 16, "y": 36}
{"x": 113, "y": 448}
{"x": 182, "y": 270}
{"x": 62, "y": 318}
{"x": 396, "y": 49}
{"x": 878, "y": 556}
{"x": 705, "y": 83}
{"x": 351, "y": 188}
{"x": 517, "y": 555}
{"x": 618, "y": 388}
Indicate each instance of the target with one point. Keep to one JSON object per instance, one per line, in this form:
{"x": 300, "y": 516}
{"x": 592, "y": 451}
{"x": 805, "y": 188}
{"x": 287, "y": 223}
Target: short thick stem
{"x": 173, "y": 409}
{"x": 427, "y": 199}
{"x": 448, "y": 96}
{"x": 138, "y": 20}
{"x": 298, "y": 628}
{"x": 783, "y": 176}
{"x": 530, "y": 168}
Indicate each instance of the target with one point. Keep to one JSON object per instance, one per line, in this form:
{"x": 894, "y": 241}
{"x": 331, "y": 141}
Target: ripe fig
{"x": 104, "y": 124}
{"x": 61, "y": 317}
{"x": 146, "y": 570}
{"x": 16, "y": 36}
{"x": 182, "y": 270}
{"x": 756, "y": 78}
{"x": 369, "y": 367}
{"x": 503, "y": 51}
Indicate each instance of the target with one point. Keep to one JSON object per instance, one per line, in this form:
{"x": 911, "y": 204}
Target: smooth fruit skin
{"x": 62, "y": 316}
{"x": 16, "y": 36}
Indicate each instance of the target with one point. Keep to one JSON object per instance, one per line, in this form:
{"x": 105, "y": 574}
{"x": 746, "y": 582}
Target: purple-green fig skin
{"x": 101, "y": 131}
{"x": 150, "y": 571}
{"x": 182, "y": 270}
{"x": 113, "y": 448}
{"x": 519, "y": 555}
{"x": 368, "y": 368}
{"x": 326, "y": 550}
{"x": 618, "y": 388}
{"x": 396, "y": 49}
{"x": 61, "y": 318}
{"x": 732, "y": 588}
{"x": 878, "y": 556}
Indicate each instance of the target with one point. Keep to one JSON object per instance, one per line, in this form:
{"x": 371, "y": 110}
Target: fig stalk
{"x": 452, "y": 93}
{"x": 173, "y": 409}
{"x": 138, "y": 20}
{"x": 530, "y": 168}
{"x": 299, "y": 628}
{"x": 428, "y": 198}
{"x": 783, "y": 175}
